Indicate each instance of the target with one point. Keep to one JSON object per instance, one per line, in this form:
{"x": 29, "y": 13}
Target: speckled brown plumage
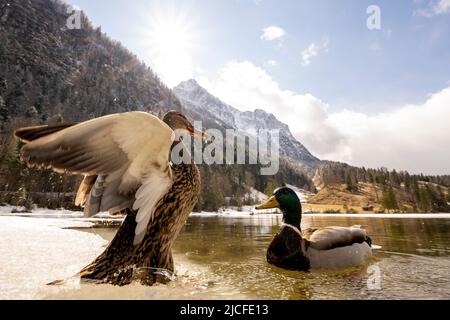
{"x": 116, "y": 264}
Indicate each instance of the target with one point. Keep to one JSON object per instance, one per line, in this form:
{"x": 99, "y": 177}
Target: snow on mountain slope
{"x": 255, "y": 195}
{"x": 216, "y": 114}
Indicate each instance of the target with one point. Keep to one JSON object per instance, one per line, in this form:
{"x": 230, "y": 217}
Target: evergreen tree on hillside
{"x": 407, "y": 181}
{"x": 389, "y": 200}
{"x": 394, "y": 178}
{"x": 4, "y": 114}
{"x": 351, "y": 185}
{"x": 425, "y": 199}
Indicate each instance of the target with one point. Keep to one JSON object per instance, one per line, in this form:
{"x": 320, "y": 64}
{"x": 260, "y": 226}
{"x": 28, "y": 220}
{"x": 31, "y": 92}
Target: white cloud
{"x": 312, "y": 51}
{"x": 442, "y": 7}
{"x": 434, "y": 8}
{"x": 273, "y": 33}
{"x": 272, "y": 63}
{"x": 411, "y": 137}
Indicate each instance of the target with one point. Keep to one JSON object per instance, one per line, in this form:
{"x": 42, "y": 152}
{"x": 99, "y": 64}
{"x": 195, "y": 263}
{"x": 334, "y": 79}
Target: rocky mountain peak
{"x": 216, "y": 113}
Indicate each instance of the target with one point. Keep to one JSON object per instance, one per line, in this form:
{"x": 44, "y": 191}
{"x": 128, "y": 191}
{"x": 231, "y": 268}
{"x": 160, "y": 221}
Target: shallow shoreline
{"x": 347, "y": 215}
{"x": 105, "y": 220}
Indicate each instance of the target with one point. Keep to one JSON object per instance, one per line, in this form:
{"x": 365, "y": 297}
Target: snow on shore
{"x": 384, "y": 215}
{"x": 20, "y": 211}
{"x": 34, "y": 252}
{"x": 245, "y": 211}
{"x": 237, "y": 214}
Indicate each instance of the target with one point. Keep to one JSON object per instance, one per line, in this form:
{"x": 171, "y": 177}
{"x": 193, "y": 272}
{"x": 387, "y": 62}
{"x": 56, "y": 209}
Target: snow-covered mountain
{"x": 216, "y": 114}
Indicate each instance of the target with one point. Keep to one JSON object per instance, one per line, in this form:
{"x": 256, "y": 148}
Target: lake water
{"x": 221, "y": 257}
{"x": 227, "y": 257}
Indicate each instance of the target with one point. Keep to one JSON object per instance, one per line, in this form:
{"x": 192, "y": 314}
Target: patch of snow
{"x": 245, "y": 211}
{"x": 61, "y": 213}
{"x": 383, "y": 215}
{"x": 20, "y": 211}
{"x": 204, "y": 214}
{"x": 34, "y": 252}
{"x": 255, "y": 194}
{"x": 248, "y": 211}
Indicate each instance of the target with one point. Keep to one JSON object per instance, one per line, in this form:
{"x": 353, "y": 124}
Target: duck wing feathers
{"x": 333, "y": 237}
{"x": 286, "y": 251}
{"x": 33, "y": 133}
{"x": 124, "y": 158}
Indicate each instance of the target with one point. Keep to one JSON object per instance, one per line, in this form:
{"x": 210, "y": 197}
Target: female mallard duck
{"x": 323, "y": 248}
{"x": 126, "y": 162}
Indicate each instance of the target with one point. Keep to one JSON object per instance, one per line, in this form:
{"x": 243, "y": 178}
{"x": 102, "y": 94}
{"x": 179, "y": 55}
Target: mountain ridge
{"x": 199, "y": 101}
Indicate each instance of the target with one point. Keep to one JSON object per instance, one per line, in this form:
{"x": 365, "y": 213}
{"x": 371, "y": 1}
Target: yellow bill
{"x": 269, "y": 204}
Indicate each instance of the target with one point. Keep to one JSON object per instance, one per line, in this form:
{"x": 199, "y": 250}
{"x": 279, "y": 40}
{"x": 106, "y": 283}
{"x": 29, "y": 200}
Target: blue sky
{"x": 318, "y": 53}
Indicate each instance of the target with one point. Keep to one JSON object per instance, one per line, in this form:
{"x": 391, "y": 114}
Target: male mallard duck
{"x": 126, "y": 162}
{"x": 323, "y": 248}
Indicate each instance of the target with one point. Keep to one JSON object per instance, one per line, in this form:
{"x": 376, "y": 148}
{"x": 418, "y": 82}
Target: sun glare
{"x": 170, "y": 39}
{"x": 172, "y": 42}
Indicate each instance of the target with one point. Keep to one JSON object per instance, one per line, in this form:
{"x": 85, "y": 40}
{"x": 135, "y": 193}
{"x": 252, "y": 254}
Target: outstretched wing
{"x": 33, "y": 133}
{"x": 124, "y": 158}
{"x": 334, "y": 237}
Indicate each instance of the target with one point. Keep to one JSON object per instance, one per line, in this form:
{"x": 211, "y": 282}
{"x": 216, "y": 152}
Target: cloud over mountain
{"x": 412, "y": 137}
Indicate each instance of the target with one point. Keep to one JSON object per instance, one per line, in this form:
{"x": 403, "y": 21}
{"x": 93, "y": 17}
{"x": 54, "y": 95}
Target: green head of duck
{"x": 288, "y": 202}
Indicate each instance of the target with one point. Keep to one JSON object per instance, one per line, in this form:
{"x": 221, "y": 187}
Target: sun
{"x": 171, "y": 40}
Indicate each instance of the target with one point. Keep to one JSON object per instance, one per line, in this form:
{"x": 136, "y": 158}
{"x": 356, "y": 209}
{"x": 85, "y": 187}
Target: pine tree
{"x": 446, "y": 194}
{"x": 21, "y": 198}
{"x": 350, "y": 185}
{"x": 425, "y": 199}
{"x": 389, "y": 200}
{"x": 4, "y": 113}
{"x": 394, "y": 178}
